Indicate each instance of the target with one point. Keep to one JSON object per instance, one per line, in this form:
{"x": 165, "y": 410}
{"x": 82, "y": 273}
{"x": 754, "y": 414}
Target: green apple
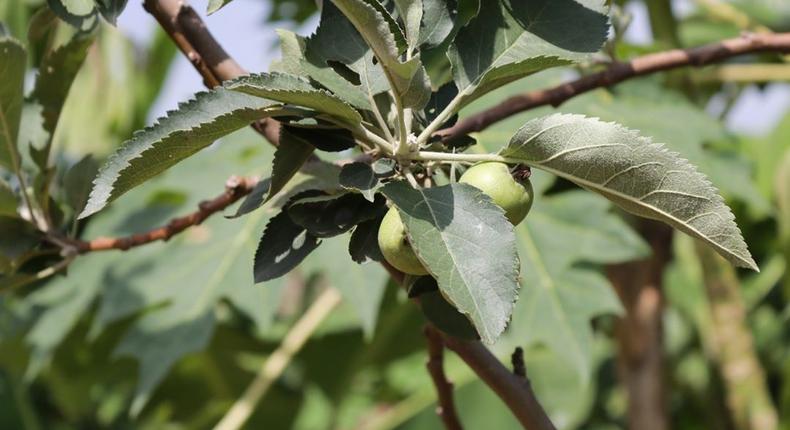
{"x": 395, "y": 245}
{"x": 495, "y": 179}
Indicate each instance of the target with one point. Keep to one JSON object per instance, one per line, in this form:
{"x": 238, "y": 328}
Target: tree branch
{"x": 618, "y": 72}
{"x": 235, "y": 189}
{"x": 444, "y": 388}
{"x": 192, "y": 37}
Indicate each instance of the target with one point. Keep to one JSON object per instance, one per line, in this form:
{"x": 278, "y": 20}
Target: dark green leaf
{"x": 325, "y": 139}
{"x": 283, "y": 246}
{"x": 13, "y": 60}
{"x": 255, "y": 199}
{"x": 8, "y": 200}
{"x": 364, "y": 243}
{"x": 360, "y": 177}
{"x": 289, "y": 157}
{"x": 77, "y": 182}
{"x": 440, "y": 312}
{"x": 330, "y": 215}
{"x": 467, "y": 244}
{"x": 111, "y": 9}
{"x": 74, "y": 13}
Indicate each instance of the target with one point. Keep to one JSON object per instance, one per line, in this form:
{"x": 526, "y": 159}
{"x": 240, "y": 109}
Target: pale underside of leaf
{"x": 194, "y": 126}
{"x": 467, "y": 244}
{"x": 638, "y": 175}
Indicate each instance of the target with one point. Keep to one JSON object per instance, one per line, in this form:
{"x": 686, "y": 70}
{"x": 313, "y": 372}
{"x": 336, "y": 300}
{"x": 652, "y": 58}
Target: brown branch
{"x": 618, "y": 72}
{"x": 190, "y": 34}
{"x": 444, "y": 388}
{"x": 235, "y": 189}
{"x": 514, "y": 390}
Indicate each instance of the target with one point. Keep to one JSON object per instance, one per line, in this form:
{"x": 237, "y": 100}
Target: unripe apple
{"x": 494, "y": 179}
{"x": 395, "y": 246}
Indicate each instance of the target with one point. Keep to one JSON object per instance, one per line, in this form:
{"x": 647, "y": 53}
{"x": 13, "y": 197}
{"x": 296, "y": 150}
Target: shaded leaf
{"x": 8, "y": 200}
{"x": 283, "y": 246}
{"x": 330, "y": 215}
{"x": 509, "y": 40}
{"x": 289, "y": 157}
{"x": 364, "y": 243}
{"x": 467, "y": 244}
{"x": 111, "y": 9}
{"x": 325, "y": 139}
{"x": 410, "y": 12}
{"x": 77, "y": 182}
{"x": 75, "y": 13}
{"x": 361, "y": 178}
{"x": 606, "y": 157}
{"x": 12, "y": 68}
{"x": 439, "y": 312}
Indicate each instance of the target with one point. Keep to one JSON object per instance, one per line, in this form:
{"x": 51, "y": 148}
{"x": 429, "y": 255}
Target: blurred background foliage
{"x": 170, "y": 334}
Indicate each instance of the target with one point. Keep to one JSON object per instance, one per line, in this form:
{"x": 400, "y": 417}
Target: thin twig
{"x": 517, "y": 359}
{"x": 190, "y": 34}
{"x": 274, "y": 366}
{"x": 444, "y": 388}
{"x": 647, "y": 64}
{"x": 235, "y": 189}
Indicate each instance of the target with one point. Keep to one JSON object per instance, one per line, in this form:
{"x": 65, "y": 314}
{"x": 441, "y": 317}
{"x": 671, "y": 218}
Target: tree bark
{"x": 639, "y": 332}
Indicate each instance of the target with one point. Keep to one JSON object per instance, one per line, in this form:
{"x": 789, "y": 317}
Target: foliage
{"x": 197, "y": 314}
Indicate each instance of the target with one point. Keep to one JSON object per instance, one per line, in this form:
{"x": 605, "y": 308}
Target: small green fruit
{"x": 494, "y": 179}
{"x": 395, "y": 245}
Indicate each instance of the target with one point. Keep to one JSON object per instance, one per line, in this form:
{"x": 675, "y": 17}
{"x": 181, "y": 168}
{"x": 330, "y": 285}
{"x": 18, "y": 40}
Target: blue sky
{"x": 239, "y": 29}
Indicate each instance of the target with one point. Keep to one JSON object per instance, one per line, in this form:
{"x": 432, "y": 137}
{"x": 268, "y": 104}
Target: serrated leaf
{"x": 56, "y": 74}
{"x": 194, "y": 126}
{"x": 437, "y": 21}
{"x": 360, "y": 177}
{"x": 509, "y": 40}
{"x": 283, "y": 246}
{"x": 364, "y": 244}
{"x": 295, "y": 90}
{"x": 289, "y": 157}
{"x": 410, "y": 12}
{"x": 13, "y": 60}
{"x": 439, "y": 312}
{"x": 636, "y": 174}
{"x": 215, "y": 5}
{"x": 467, "y": 244}
{"x": 330, "y": 215}
{"x": 407, "y": 79}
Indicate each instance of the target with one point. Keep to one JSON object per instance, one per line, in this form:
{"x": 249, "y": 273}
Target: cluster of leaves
{"x": 400, "y": 71}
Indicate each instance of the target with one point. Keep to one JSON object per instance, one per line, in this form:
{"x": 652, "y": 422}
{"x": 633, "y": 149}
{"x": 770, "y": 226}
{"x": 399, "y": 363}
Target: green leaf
{"x": 437, "y": 21}
{"x": 330, "y": 215}
{"x": 77, "y": 182}
{"x": 194, "y": 126}
{"x": 13, "y": 60}
{"x": 782, "y": 190}
{"x": 407, "y": 79}
{"x": 75, "y": 13}
{"x": 411, "y": 13}
{"x": 215, "y": 5}
{"x": 509, "y": 40}
{"x": 439, "y": 312}
{"x": 364, "y": 244}
{"x": 289, "y": 157}
{"x": 467, "y": 244}
{"x": 636, "y": 174}
{"x": 361, "y": 178}
{"x": 8, "y": 200}
{"x": 298, "y": 91}
{"x": 283, "y": 246}
{"x": 56, "y": 73}
{"x": 111, "y": 9}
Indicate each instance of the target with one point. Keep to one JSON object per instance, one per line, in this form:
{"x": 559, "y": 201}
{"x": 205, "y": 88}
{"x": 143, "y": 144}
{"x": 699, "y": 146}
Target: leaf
{"x": 283, "y": 246}
{"x": 75, "y": 13}
{"x": 111, "y": 9}
{"x": 330, "y": 215}
{"x": 8, "y": 200}
{"x": 289, "y": 157}
{"x": 782, "y": 190}
{"x": 361, "y": 178}
{"x": 407, "y": 79}
{"x": 437, "y": 21}
{"x": 364, "y": 243}
{"x": 194, "y": 126}
{"x": 56, "y": 74}
{"x": 411, "y": 13}
{"x": 639, "y": 176}
{"x": 439, "y": 312}
{"x": 509, "y": 40}
{"x": 13, "y": 60}
{"x": 215, "y": 5}
{"x": 325, "y": 139}
{"x": 295, "y": 90}
{"x": 77, "y": 182}
{"x": 467, "y": 244}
